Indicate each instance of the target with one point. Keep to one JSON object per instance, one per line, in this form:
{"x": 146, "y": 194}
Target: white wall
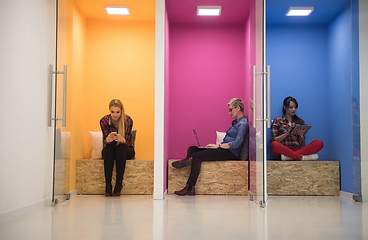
{"x": 363, "y": 45}
{"x": 27, "y": 48}
{"x": 159, "y": 102}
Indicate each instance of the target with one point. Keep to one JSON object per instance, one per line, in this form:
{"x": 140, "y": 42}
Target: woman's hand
{"x": 212, "y": 146}
{"x": 224, "y": 146}
{"x": 301, "y": 136}
{"x": 283, "y": 136}
{"x": 301, "y": 131}
{"x": 289, "y": 131}
{"x": 111, "y": 137}
{"x": 120, "y": 138}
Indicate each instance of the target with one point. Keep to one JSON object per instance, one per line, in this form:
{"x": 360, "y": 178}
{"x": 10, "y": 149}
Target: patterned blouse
{"x": 107, "y": 127}
{"x": 280, "y": 126}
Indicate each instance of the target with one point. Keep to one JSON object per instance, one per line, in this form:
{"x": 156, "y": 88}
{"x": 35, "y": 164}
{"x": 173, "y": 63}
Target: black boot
{"x": 187, "y": 190}
{"x": 108, "y": 190}
{"x": 182, "y": 163}
{"x": 117, "y": 191}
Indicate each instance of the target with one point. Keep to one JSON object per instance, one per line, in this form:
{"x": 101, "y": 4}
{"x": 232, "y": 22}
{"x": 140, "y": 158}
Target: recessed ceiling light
{"x": 117, "y": 10}
{"x": 299, "y": 11}
{"x": 208, "y": 10}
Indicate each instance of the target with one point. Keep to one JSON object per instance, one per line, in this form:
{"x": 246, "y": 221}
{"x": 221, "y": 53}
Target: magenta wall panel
{"x": 206, "y": 69}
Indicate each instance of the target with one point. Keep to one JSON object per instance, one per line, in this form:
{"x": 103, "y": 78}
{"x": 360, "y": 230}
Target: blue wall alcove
{"x": 312, "y": 60}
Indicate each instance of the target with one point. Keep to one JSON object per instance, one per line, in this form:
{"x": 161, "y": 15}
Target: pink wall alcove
{"x": 207, "y": 62}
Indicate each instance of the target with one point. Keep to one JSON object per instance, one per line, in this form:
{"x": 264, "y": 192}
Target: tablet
{"x": 297, "y": 127}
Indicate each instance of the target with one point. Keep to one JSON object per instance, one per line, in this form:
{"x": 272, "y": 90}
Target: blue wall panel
{"x": 299, "y": 62}
{"x": 340, "y": 91}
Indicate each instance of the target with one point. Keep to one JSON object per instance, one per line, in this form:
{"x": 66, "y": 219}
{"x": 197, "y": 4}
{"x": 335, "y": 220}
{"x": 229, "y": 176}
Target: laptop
{"x": 196, "y": 139}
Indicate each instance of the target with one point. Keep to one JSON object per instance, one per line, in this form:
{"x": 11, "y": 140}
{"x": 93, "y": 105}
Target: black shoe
{"x": 108, "y": 190}
{"x": 116, "y": 194}
{"x": 185, "y": 191}
{"x": 182, "y": 163}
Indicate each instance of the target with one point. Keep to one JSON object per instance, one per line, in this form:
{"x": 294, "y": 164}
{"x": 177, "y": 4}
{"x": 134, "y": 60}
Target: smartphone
{"x": 114, "y": 133}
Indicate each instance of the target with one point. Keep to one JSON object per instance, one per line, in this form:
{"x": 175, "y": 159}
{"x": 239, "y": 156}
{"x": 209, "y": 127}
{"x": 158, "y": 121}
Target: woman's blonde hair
{"x": 122, "y": 123}
{"x": 236, "y": 102}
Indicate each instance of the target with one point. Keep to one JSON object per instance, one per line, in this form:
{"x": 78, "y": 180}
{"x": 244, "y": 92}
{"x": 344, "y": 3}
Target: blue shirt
{"x": 236, "y": 135}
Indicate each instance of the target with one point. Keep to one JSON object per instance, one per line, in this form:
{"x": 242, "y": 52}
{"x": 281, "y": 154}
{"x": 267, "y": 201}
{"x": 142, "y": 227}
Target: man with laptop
{"x": 229, "y": 149}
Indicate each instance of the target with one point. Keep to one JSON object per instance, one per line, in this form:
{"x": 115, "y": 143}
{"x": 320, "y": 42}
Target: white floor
{"x": 196, "y": 217}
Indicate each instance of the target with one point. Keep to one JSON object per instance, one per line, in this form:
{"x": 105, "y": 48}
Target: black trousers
{"x": 119, "y": 153}
{"x": 204, "y": 154}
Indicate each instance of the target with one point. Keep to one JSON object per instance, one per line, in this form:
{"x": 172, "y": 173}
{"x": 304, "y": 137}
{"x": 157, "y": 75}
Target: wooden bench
{"x": 320, "y": 178}
{"x": 216, "y": 177}
{"x": 138, "y": 177}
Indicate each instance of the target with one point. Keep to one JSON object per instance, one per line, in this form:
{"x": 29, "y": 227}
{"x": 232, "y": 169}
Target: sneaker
{"x": 285, "y": 158}
{"x": 310, "y": 157}
{"x": 182, "y": 163}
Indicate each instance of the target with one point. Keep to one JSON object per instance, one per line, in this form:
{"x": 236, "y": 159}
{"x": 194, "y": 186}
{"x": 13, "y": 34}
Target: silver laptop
{"x": 196, "y": 140}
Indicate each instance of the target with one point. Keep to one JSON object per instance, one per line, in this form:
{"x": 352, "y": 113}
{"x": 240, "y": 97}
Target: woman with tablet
{"x": 288, "y": 135}
{"x": 117, "y": 145}
{"x": 229, "y": 149}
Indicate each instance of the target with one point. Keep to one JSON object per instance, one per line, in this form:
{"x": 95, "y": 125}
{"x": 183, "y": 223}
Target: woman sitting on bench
{"x": 229, "y": 149}
{"x": 117, "y": 145}
{"x": 286, "y": 146}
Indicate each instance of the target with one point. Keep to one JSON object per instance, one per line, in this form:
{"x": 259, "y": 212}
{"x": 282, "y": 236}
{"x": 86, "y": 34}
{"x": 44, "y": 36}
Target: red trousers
{"x": 296, "y": 153}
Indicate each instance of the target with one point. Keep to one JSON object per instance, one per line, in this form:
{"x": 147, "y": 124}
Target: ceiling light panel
{"x": 117, "y": 10}
{"x": 208, "y": 10}
{"x": 299, "y": 11}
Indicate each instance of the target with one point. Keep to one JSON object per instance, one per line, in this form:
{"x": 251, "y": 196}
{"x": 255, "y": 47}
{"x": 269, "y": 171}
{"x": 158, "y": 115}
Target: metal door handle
{"x": 51, "y": 73}
{"x": 254, "y": 96}
{"x": 268, "y": 117}
{"x": 64, "y": 95}
{"x": 49, "y": 104}
{"x": 268, "y": 96}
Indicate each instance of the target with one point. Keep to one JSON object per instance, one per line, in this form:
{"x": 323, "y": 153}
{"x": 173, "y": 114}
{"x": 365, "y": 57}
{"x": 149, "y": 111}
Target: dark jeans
{"x": 202, "y": 154}
{"x": 120, "y": 153}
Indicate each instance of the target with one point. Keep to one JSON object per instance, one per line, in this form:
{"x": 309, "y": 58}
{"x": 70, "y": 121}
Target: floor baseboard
{"x": 346, "y": 195}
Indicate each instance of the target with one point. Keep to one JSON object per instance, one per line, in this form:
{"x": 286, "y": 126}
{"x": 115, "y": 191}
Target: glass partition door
{"x": 58, "y": 75}
{"x": 261, "y": 77}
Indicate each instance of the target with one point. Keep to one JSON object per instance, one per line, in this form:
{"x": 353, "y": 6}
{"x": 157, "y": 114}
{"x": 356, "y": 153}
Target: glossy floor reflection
{"x": 198, "y": 217}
